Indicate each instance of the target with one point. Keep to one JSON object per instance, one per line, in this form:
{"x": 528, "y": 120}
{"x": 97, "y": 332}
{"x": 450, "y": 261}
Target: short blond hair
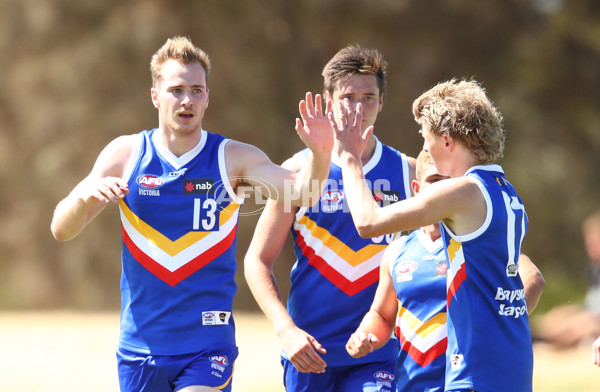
{"x": 462, "y": 110}
{"x": 181, "y": 49}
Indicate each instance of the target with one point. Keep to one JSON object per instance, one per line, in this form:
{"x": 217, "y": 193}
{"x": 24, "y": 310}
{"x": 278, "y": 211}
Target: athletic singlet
{"x": 418, "y": 272}
{"x": 179, "y": 225}
{"x": 333, "y": 281}
{"x": 489, "y": 342}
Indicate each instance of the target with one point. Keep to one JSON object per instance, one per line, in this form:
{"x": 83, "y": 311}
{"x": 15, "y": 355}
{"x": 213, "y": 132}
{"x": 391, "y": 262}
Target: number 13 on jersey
{"x": 206, "y": 216}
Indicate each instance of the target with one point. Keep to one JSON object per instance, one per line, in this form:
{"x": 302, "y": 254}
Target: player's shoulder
{"x": 396, "y": 245}
{"x": 297, "y": 161}
{"x": 237, "y": 150}
{"x": 116, "y": 155}
{"x": 122, "y": 146}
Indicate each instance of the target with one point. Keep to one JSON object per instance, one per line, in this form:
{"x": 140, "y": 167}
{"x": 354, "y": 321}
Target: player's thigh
{"x": 202, "y": 371}
{"x": 368, "y": 377}
{"x": 141, "y": 373}
{"x": 207, "y": 372}
{"x": 463, "y": 390}
{"x": 295, "y": 381}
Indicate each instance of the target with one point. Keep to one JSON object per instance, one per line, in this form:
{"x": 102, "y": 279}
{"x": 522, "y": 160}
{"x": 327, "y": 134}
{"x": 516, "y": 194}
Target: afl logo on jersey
{"x": 150, "y": 181}
{"x": 404, "y": 270}
{"x": 220, "y": 360}
{"x": 382, "y": 375}
{"x": 333, "y": 196}
{"x": 407, "y": 267}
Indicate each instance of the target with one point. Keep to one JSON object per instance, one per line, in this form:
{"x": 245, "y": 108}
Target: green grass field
{"x": 68, "y": 352}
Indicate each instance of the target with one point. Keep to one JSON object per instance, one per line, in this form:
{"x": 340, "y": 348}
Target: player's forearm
{"x": 375, "y": 324}
{"x": 362, "y": 206}
{"x": 71, "y": 216}
{"x": 310, "y": 182}
{"x": 533, "y": 282}
{"x": 265, "y": 290}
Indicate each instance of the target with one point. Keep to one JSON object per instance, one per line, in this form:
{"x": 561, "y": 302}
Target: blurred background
{"x": 75, "y": 75}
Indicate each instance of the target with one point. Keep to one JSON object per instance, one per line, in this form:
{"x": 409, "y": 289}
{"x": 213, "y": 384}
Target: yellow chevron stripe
{"x": 164, "y": 243}
{"x": 352, "y": 257}
{"x": 453, "y": 247}
{"x": 421, "y": 328}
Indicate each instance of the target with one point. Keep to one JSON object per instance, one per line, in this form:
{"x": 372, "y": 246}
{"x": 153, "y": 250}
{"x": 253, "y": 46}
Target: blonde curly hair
{"x": 462, "y": 110}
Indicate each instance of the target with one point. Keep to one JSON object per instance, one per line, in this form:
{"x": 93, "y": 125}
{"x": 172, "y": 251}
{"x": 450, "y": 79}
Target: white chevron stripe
{"x": 350, "y": 272}
{"x": 423, "y": 343}
{"x": 175, "y": 262}
{"x": 455, "y": 263}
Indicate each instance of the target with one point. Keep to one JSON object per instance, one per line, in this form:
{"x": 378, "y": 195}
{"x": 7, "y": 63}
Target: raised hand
{"x": 349, "y": 137}
{"x": 313, "y": 126}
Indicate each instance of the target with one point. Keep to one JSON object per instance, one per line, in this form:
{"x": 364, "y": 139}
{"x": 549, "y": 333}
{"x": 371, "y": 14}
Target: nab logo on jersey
{"x": 333, "y": 196}
{"x": 199, "y": 186}
{"x": 150, "y": 181}
{"x": 384, "y": 198}
{"x": 382, "y": 375}
{"x": 220, "y": 360}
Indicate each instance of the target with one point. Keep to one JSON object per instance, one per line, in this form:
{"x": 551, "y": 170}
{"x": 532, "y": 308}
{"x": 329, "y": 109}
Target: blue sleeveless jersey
{"x": 179, "y": 225}
{"x": 333, "y": 281}
{"x": 418, "y": 273}
{"x": 489, "y": 341}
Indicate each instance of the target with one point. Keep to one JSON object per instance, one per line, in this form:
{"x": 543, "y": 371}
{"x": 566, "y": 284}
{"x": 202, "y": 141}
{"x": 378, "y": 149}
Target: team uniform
{"x": 333, "y": 281}
{"x": 418, "y": 272}
{"x": 179, "y": 224}
{"x": 489, "y": 341}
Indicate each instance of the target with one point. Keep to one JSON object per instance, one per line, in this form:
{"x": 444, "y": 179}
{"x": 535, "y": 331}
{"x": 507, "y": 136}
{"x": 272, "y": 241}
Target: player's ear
{"x": 415, "y": 186}
{"x": 154, "y": 96}
{"x": 448, "y": 140}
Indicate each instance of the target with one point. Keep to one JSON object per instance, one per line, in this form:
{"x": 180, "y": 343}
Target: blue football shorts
{"x": 364, "y": 377}
{"x": 464, "y": 390}
{"x": 168, "y": 373}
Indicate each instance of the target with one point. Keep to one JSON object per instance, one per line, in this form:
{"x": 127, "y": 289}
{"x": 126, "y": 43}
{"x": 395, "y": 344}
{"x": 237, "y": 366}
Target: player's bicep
{"x": 250, "y": 166}
{"x": 385, "y": 302}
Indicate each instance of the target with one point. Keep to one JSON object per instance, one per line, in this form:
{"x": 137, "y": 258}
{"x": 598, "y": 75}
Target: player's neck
{"x": 369, "y": 150}
{"x": 433, "y": 231}
{"x": 463, "y": 160}
{"x": 179, "y": 143}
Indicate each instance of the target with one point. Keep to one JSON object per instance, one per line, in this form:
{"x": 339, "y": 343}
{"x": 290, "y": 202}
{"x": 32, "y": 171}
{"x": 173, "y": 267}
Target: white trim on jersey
{"x": 135, "y": 157}
{"x": 488, "y": 204}
{"x": 426, "y": 242}
{"x": 375, "y": 158}
{"x": 224, "y": 176}
{"x": 175, "y": 161}
{"x": 406, "y": 176}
